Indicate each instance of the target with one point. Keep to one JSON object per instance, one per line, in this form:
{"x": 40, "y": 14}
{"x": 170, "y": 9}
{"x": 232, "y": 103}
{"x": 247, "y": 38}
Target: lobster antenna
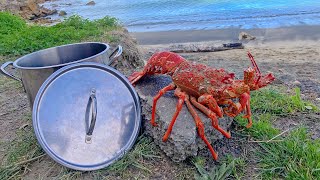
{"x": 254, "y": 62}
{"x": 255, "y": 66}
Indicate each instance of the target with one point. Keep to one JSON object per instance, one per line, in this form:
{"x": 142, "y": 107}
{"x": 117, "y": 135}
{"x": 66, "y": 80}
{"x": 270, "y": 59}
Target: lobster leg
{"x": 235, "y": 108}
{"x": 245, "y": 103}
{"x": 208, "y": 100}
{"x": 156, "y": 98}
{"x": 182, "y": 97}
{"x": 200, "y": 127}
{"x": 211, "y": 115}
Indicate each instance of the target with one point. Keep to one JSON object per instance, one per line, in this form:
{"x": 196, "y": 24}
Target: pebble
{"x": 62, "y": 13}
{"x": 297, "y": 83}
{"x": 90, "y": 3}
{"x": 246, "y": 36}
{"x": 309, "y": 107}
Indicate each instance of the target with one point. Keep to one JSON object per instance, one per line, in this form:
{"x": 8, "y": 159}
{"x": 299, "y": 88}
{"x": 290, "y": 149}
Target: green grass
{"x": 229, "y": 167}
{"x": 271, "y": 100}
{"x": 296, "y": 157}
{"x": 238, "y": 170}
{"x": 17, "y": 38}
{"x": 217, "y": 173}
{"x": 293, "y": 155}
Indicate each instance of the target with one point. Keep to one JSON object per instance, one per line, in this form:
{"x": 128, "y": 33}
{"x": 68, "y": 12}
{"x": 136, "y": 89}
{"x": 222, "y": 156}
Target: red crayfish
{"x": 205, "y": 88}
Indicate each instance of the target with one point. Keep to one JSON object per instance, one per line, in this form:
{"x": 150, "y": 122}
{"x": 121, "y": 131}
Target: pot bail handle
{"x": 4, "y": 72}
{"x": 114, "y": 55}
{"x": 93, "y": 104}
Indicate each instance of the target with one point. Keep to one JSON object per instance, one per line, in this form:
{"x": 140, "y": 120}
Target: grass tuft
{"x": 238, "y": 170}
{"x": 293, "y": 156}
{"x": 296, "y": 157}
{"x": 271, "y": 100}
{"x": 217, "y": 173}
{"x": 17, "y": 38}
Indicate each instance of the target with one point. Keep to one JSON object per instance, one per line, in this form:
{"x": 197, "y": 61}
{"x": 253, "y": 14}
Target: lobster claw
{"x": 265, "y": 80}
{"x": 254, "y": 78}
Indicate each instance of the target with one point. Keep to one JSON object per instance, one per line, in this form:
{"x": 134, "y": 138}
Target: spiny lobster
{"x": 205, "y": 88}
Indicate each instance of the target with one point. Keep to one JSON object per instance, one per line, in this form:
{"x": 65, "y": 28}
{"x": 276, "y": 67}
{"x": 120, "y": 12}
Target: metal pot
{"x": 36, "y": 67}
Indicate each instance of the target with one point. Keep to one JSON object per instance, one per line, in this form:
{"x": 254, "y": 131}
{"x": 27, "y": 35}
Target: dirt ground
{"x": 294, "y": 63}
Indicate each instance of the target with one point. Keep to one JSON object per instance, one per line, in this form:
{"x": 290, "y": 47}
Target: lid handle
{"x": 93, "y": 103}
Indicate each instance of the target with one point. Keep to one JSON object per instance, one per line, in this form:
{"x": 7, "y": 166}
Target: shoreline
{"x": 302, "y": 32}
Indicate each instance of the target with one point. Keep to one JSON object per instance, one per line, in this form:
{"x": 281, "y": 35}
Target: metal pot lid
{"x": 86, "y": 116}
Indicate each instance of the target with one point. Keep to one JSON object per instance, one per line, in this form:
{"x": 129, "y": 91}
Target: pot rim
{"x": 15, "y": 63}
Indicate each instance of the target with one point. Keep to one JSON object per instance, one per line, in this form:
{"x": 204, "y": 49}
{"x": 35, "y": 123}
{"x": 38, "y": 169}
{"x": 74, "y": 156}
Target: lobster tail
{"x": 159, "y": 63}
{"x": 134, "y": 77}
{"x": 164, "y": 63}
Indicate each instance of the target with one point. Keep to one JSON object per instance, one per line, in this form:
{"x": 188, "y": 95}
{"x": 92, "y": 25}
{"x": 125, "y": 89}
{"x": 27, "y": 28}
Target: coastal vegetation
{"x": 19, "y": 38}
{"x": 275, "y": 153}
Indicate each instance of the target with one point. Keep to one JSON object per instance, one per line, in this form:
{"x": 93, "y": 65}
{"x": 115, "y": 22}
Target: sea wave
{"x": 162, "y": 15}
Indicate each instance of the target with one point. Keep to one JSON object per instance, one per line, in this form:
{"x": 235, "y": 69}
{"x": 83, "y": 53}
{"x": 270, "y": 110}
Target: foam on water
{"x": 162, "y": 15}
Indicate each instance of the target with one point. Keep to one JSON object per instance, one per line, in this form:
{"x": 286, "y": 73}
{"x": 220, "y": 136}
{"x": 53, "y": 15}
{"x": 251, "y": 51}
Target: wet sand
{"x": 273, "y": 34}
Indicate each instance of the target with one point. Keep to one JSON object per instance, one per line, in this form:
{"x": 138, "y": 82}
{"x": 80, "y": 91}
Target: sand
{"x": 302, "y": 32}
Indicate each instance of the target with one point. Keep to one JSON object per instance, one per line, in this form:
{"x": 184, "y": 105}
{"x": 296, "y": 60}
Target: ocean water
{"x": 166, "y": 15}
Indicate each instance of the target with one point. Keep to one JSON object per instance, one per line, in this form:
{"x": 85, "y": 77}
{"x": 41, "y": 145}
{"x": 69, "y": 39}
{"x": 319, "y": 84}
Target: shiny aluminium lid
{"x": 86, "y": 116}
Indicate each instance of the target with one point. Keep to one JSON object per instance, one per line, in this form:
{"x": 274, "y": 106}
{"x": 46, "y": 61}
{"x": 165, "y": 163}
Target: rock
{"x": 62, "y": 13}
{"x": 91, "y": 3}
{"x": 44, "y": 20}
{"x": 297, "y": 83}
{"x": 246, "y": 36}
{"x": 184, "y": 141}
{"x": 46, "y": 12}
{"x": 41, "y": 1}
{"x": 33, "y": 7}
{"x": 29, "y": 10}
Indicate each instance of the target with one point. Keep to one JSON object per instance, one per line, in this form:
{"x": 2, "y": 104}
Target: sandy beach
{"x": 302, "y": 32}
